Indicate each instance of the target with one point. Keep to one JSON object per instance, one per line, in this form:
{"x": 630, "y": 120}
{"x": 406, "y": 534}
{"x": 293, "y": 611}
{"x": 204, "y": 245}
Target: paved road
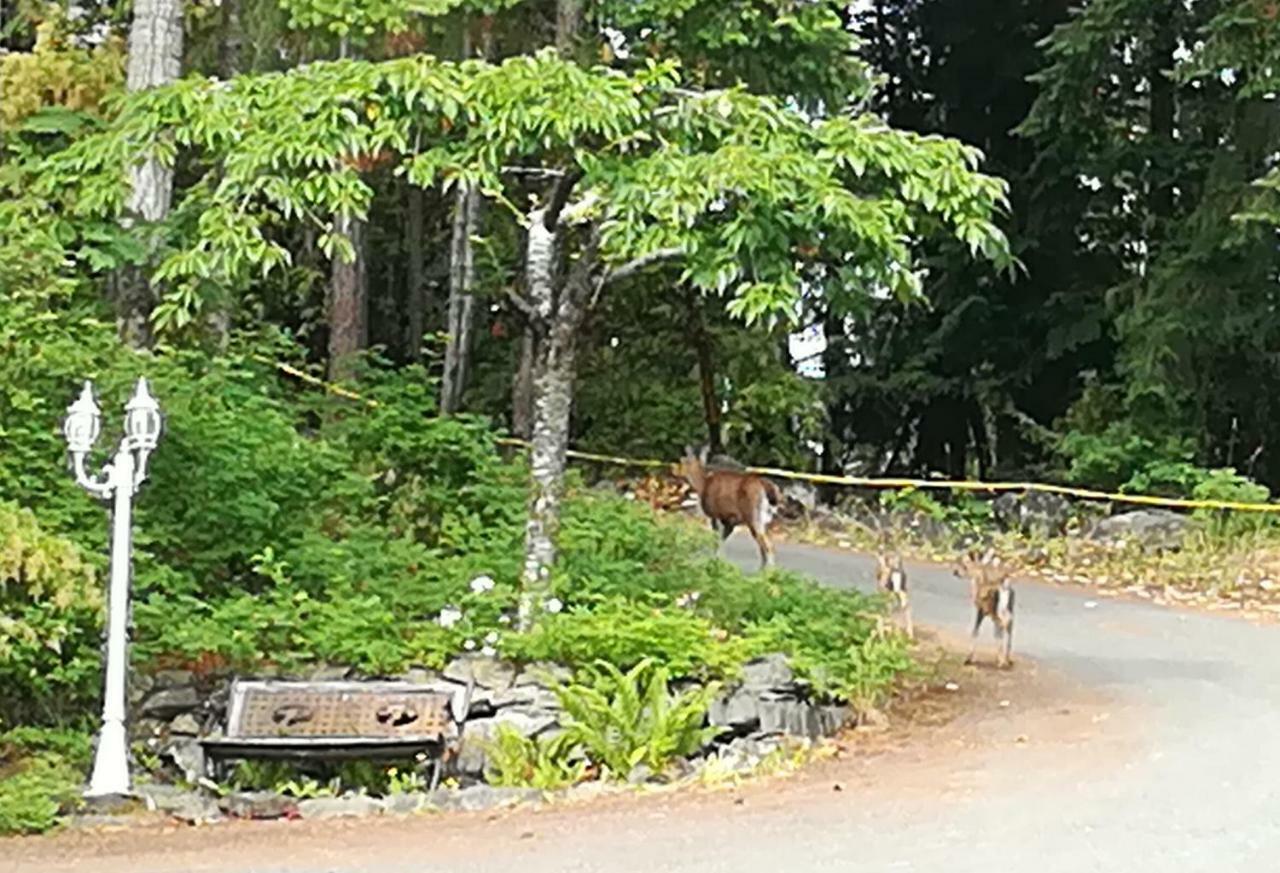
{"x": 1182, "y": 777}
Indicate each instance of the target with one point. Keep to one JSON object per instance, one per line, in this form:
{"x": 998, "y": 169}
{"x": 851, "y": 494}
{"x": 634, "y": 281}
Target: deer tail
{"x": 772, "y": 492}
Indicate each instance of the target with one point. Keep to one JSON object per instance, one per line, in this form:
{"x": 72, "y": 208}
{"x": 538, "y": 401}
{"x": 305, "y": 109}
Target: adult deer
{"x": 992, "y": 597}
{"x": 730, "y": 498}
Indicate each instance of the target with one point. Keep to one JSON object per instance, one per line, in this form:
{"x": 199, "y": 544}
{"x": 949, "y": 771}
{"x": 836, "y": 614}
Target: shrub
{"x": 50, "y": 614}
{"x": 39, "y": 777}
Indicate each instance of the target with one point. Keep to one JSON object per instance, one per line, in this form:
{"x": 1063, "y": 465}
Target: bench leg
{"x": 436, "y": 766}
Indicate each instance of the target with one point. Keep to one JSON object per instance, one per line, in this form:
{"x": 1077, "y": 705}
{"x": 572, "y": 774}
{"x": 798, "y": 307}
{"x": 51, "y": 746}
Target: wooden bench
{"x": 336, "y": 720}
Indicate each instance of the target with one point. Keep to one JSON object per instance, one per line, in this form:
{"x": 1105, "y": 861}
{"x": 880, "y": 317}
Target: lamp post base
{"x": 111, "y": 763}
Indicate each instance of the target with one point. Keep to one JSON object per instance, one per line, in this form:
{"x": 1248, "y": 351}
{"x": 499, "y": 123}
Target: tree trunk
{"x": 155, "y": 58}
{"x": 1163, "y": 108}
{"x": 457, "y": 350}
{"x": 552, "y": 387}
{"x": 348, "y": 303}
{"x": 348, "y": 293}
{"x": 415, "y": 229}
{"x": 568, "y": 21}
{"x": 522, "y": 386}
{"x": 706, "y": 373}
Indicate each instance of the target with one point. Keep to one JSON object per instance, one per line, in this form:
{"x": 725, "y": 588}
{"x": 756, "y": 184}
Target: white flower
{"x": 504, "y": 619}
{"x": 687, "y": 601}
{"x": 469, "y": 645}
{"x": 449, "y": 616}
{"x": 488, "y": 651}
{"x": 554, "y": 604}
{"x": 481, "y": 584}
{"x": 491, "y": 637}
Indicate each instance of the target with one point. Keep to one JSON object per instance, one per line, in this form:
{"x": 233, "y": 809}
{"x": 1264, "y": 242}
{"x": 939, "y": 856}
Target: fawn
{"x": 730, "y": 498}
{"x": 891, "y": 578}
{"x": 992, "y": 598}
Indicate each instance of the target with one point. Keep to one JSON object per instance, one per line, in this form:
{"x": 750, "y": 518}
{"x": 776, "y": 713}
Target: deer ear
{"x": 703, "y": 452}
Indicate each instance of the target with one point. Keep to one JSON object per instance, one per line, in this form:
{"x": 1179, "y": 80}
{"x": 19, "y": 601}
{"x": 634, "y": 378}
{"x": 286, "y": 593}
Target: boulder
{"x": 1032, "y": 512}
{"x": 799, "y": 499}
{"x": 192, "y": 807}
{"x": 405, "y": 804}
{"x": 768, "y": 673}
{"x": 1147, "y": 528}
{"x": 187, "y": 756}
{"x": 476, "y": 798}
{"x": 488, "y": 673}
{"x": 169, "y": 702}
{"x": 543, "y": 674}
{"x": 257, "y": 804}
{"x": 476, "y": 736}
{"x": 347, "y": 806}
{"x": 185, "y": 725}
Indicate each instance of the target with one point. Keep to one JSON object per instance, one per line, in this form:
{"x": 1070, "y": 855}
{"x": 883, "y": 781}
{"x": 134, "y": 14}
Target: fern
{"x": 624, "y": 719}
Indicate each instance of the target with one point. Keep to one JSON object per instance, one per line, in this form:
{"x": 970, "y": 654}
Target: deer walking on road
{"x": 992, "y": 598}
{"x": 730, "y": 498}
{"x": 891, "y": 578}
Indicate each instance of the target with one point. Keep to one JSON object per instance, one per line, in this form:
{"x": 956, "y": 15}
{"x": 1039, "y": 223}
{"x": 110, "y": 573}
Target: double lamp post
{"x": 118, "y": 482}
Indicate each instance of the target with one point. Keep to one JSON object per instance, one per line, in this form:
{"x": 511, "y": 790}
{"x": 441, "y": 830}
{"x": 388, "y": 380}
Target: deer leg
{"x": 1007, "y": 660}
{"x": 973, "y": 640}
{"x": 906, "y": 613}
{"x": 766, "y": 548}
{"x": 726, "y": 528}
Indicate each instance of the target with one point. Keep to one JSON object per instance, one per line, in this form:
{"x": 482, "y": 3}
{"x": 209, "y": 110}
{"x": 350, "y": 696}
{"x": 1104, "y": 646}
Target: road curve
{"x": 1183, "y": 777}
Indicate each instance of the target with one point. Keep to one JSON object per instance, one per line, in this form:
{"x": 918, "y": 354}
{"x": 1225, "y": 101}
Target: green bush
{"x": 40, "y": 777}
{"x": 50, "y": 614}
{"x": 283, "y": 526}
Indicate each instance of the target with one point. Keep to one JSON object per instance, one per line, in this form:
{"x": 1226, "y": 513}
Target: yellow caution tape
{"x": 857, "y": 481}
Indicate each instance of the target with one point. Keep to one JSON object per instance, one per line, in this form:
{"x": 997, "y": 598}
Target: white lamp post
{"x": 118, "y": 482}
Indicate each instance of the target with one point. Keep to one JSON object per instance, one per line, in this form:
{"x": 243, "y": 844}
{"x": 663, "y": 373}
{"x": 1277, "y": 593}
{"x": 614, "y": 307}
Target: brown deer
{"x": 891, "y": 578}
{"x": 730, "y": 498}
{"x": 992, "y": 597}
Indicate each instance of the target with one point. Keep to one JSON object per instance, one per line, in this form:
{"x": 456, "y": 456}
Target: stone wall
{"x": 173, "y": 709}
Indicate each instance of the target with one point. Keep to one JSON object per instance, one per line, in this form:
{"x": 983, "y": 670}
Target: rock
{"x": 163, "y": 679}
{"x": 477, "y": 735}
{"x": 405, "y": 804}
{"x": 420, "y": 676}
{"x": 476, "y": 798}
{"x": 348, "y": 806}
{"x": 789, "y": 716}
{"x": 139, "y": 686}
{"x": 188, "y": 756}
{"x": 192, "y": 807}
{"x": 768, "y": 673}
{"x": 1032, "y": 512}
{"x": 640, "y": 774}
{"x": 488, "y": 672}
{"x": 185, "y": 725}
{"x": 169, "y": 702}
{"x": 1148, "y": 528}
{"x": 325, "y": 673}
{"x": 799, "y": 499}
{"x": 736, "y": 710}
{"x": 530, "y": 697}
{"x": 543, "y": 674}
{"x": 256, "y": 804}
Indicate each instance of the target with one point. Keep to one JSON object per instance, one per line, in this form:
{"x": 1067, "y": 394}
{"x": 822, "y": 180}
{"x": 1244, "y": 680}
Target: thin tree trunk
{"x": 462, "y": 273}
{"x": 348, "y": 303}
{"x": 522, "y": 386}
{"x": 348, "y": 292}
{"x": 1162, "y": 107}
{"x": 415, "y": 229}
{"x": 155, "y": 58}
{"x": 706, "y": 373}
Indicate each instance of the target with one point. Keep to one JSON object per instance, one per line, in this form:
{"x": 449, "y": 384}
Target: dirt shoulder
{"x": 954, "y": 736}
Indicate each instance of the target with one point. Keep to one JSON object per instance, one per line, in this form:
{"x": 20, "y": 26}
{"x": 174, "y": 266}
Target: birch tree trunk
{"x": 155, "y": 58}
{"x": 556, "y": 318}
{"x": 522, "y": 386}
